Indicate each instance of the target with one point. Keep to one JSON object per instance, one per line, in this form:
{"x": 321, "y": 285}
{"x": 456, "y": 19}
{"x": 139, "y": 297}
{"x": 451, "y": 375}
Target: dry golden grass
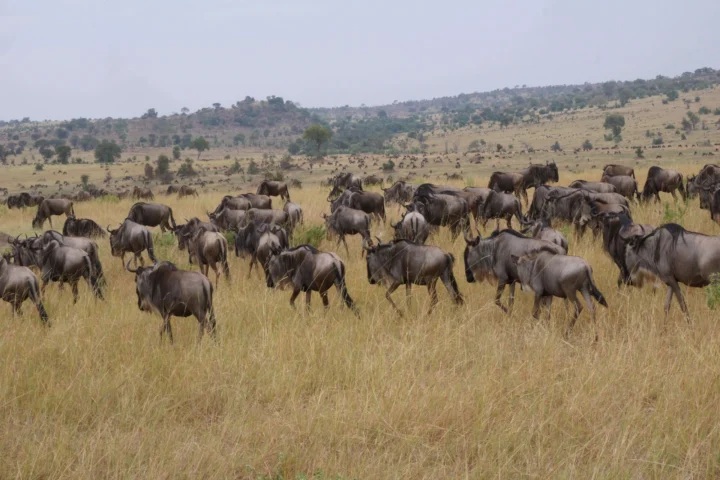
{"x": 465, "y": 392}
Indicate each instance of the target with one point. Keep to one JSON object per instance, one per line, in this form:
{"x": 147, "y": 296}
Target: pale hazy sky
{"x": 95, "y": 58}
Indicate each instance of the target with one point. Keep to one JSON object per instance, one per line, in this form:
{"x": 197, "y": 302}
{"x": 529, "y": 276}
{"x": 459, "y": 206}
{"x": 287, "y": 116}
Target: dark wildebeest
{"x": 50, "y": 207}
{"x": 507, "y": 182}
{"x": 308, "y": 270}
{"x": 142, "y": 194}
{"x": 295, "y": 214}
{"x": 624, "y": 185}
{"x": 404, "y": 263}
{"x": 675, "y": 255}
{"x": 83, "y": 196}
{"x": 442, "y": 209}
{"x": 58, "y": 263}
{"x": 172, "y": 189}
{"x": 169, "y": 291}
{"x": 274, "y": 189}
{"x": 617, "y": 229}
{"x": 476, "y": 196}
{"x": 233, "y": 203}
{"x": 227, "y": 219}
{"x": 538, "y": 174}
{"x": 347, "y": 180}
{"x": 82, "y": 227}
{"x": 412, "y": 227}
{"x": 488, "y": 258}
{"x": 542, "y": 203}
{"x": 595, "y": 187}
{"x": 613, "y": 170}
{"x": 542, "y": 230}
{"x": 704, "y": 183}
{"x": 208, "y": 249}
{"x": 501, "y": 205}
{"x": 152, "y": 215}
{"x": 571, "y": 206}
{"x": 31, "y": 199}
{"x": 14, "y": 201}
{"x": 261, "y": 242}
{"x": 348, "y": 221}
{"x": 132, "y": 238}
{"x": 81, "y": 243}
{"x": 373, "y": 180}
{"x": 270, "y": 217}
{"x": 400, "y": 192}
{"x": 187, "y": 230}
{"x": 549, "y": 275}
{"x": 369, "y": 202}
{"x": 17, "y": 284}
{"x": 185, "y": 191}
{"x": 715, "y": 206}
{"x": 661, "y": 180}
{"x": 262, "y": 202}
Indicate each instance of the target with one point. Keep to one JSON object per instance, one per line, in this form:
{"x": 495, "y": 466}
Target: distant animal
{"x": 369, "y": 202}
{"x": 613, "y": 170}
{"x": 412, "y": 227}
{"x": 400, "y": 192}
{"x": 538, "y": 174}
{"x": 372, "y": 180}
{"x": 132, "y": 238}
{"x": 662, "y": 180}
{"x": 233, "y": 203}
{"x": 188, "y": 229}
{"x": 185, "y": 191}
{"x": 347, "y": 180}
{"x": 507, "y": 183}
{"x": 172, "y": 189}
{"x": 82, "y": 196}
{"x": 152, "y": 215}
{"x": 50, "y": 207}
{"x": 17, "y": 284}
{"x": 274, "y": 189}
{"x": 227, "y": 219}
{"x": 82, "y": 227}
{"x": 442, "y": 210}
{"x": 142, "y": 194}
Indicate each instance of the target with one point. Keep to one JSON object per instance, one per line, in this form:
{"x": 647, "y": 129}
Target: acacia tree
{"x": 318, "y": 136}
{"x": 200, "y": 144}
{"x": 63, "y": 153}
{"x": 107, "y": 152}
{"x": 615, "y": 123}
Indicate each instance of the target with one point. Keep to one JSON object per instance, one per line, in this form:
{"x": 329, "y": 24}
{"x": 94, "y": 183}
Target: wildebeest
{"x": 185, "y": 191}
{"x": 309, "y": 270}
{"x": 372, "y": 180}
{"x": 152, "y": 215}
{"x": 274, "y": 189}
{"x": 596, "y": 187}
{"x": 413, "y": 227}
{"x": 506, "y": 182}
{"x": 142, "y": 194}
{"x": 261, "y": 242}
{"x": 538, "y": 174}
{"x": 624, "y": 185}
{"x": 233, "y": 203}
{"x": 617, "y": 229}
{"x": 50, "y": 207}
{"x": 542, "y": 230}
{"x": 82, "y": 196}
{"x": 441, "y": 210}
{"x": 661, "y": 180}
{"x": 401, "y": 262}
{"x": 227, "y": 219}
{"x": 369, "y": 202}
{"x": 169, "y": 291}
{"x": 189, "y": 228}
{"x": 500, "y": 205}
{"x": 347, "y": 180}
{"x": 172, "y": 189}
{"x": 262, "y": 202}
{"x": 260, "y": 216}
{"x": 132, "y": 238}
{"x": 208, "y": 249}
{"x": 549, "y": 275}
{"x": 24, "y": 199}
{"x": 613, "y": 170}
{"x": 81, "y": 243}
{"x": 17, "y": 284}
{"x": 295, "y": 214}
{"x": 82, "y": 227}
{"x": 476, "y": 196}
{"x": 400, "y": 192}
{"x": 675, "y": 255}
{"x": 704, "y": 183}
{"x": 488, "y": 258}
{"x": 348, "y": 221}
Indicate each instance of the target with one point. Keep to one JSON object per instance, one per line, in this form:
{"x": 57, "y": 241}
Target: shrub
{"x": 704, "y": 111}
{"x": 186, "y": 169}
{"x": 712, "y": 291}
{"x": 388, "y": 166}
{"x": 673, "y": 215}
{"x": 657, "y": 141}
{"x": 39, "y": 167}
{"x": 253, "y": 169}
{"x": 309, "y": 235}
{"x": 149, "y": 174}
{"x": 234, "y": 168}
{"x": 670, "y": 126}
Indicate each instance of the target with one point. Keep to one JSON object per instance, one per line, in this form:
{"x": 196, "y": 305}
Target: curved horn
{"x": 467, "y": 238}
{"x": 378, "y": 239}
{"x": 108, "y": 229}
{"x": 365, "y": 245}
{"x": 127, "y": 267}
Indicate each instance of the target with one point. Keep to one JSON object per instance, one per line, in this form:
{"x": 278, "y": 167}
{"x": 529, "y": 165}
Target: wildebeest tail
{"x": 72, "y": 209}
{"x": 34, "y": 291}
{"x": 342, "y": 287}
{"x": 458, "y": 296}
{"x": 210, "y": 321}
{"x": 224, "y": 257}
{"x": 595, "y": 292}
{"x": 92, "y": 277}
{"x": 172, "y": 219}
{"x": 149, "y": 246}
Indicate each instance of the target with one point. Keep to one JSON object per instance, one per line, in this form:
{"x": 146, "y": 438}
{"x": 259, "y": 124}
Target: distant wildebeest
{"x": 372, "y": 180}
{"x": 404, "y": 263}
{"x": 490, "y": 258}
{"x": 617, "y": 230}
{"x": 227, "y": 219}
{"x": 400, "y": 192}
{"x": 347, "y": 221}
{"x": 613, "y": 170}
{"x": 17, "y": 284}
{"x": 152, "y": 215}
{"x": 274, "y": 189}
{"x": 675, "y": 255}
{"x": 308, "y": 270}
{"x": 189, "y": 228}
{"x": 596, "y": 187}
{"x": 662, "y": 180}
{"x": 506, "y": 182}
{"x": 538, "y": 174}
{"x": 169, "y": 291}
{"x": 31, "y": 199}
{"x": 132, "y": 238}
{"x": 208, "y": 249}
{"x": 704, "y": 184}
{"x": 412, "y": 227}
{"x": 82, "y": 227}
{"x": 185, "y": 191}
{"x": 172, "y": 190}
{"x": 542, "y": 230}
{"x": 542, "y": 207}
{"x": 347, "y": 180}
{"x": 715, "y": 206}
{"x": 123, "y": 194}
{"x": 442, "y": 210}
{"x": 369, "y": 202}
{"x": 50, "y": 207}
{"x": 262, "y": 202}
{"x": 549, "y": 275}
{"x": 624, "y": 185}
{"x": 142, "y": 194}
{"x": 500, "y": 205}
{"x": 233, "y": 203}
{"x": 295, "y": 214}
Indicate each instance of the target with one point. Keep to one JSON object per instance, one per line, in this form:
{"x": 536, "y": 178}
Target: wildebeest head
{"x": 116, "y": 249}
{"x": 377, "y": 258}
{"x": 144, "y": 283}
{"x": 524, "y": 266}
{"x": 554, "y": 174}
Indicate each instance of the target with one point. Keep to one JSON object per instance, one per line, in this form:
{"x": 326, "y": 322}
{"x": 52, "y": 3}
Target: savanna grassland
{"x": 464, "y": 392}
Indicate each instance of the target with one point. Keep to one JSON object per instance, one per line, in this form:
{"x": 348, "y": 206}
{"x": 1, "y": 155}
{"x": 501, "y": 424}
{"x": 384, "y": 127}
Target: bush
{"x": 39, "y": 167}
{"x": 657, "y": 141}
{"x": 186, "y": 169}
{"x": 276, "y": 176}
{"x": 712, "y": 291}
{"x": 149, "y": 174}
{"x": 587, "y": 145}
{"x": 716, "y": 111}
{"x": 309, "y": 235}
{"x": 670, "y": 126}
{"x": 556, "y": 147}
{"x": 234, "y": 168}
{"x": 253, "y": 169}
{"x": 704, "y": 111}
{"x": 388, "y": 166}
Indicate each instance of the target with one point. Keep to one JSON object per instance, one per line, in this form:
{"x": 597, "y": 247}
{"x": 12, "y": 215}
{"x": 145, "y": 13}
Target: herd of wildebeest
{"x": 535, "y": 255}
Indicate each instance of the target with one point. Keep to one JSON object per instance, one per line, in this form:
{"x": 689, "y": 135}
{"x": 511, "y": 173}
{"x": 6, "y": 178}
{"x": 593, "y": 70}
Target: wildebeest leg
{"x": 253, "y": 258}
{"x": 308, "y": 296}
{"x": 347, "y": 250}
{"x": 74, "y": 285}
{"x": 657, "y": 197}
{"x": 497, "y": 224}
{"x": 675, "y": 288}
{"x": 432, "y": 290}
{"x": 202, "y": 326}
{"x": 536, "y": 306}
{"x": 50, "y": 220}
{"x": 547, "y": 303}
{"x": 589, "y": 302}
{"x": 408, "y": 292}
{"x": 388, "y": 294}
{"x": 296, "y": 292}
{"x": 324, "y": 297}
{"x": 672, "y": 192}
{"x": 217, "y": 274}
{"x": 498, "y": 294}
{"x": 511, "y": 299}
{"x": 572, "y": 296}
{"x": 508, "y": 220}
{"x": 166, "y": 328}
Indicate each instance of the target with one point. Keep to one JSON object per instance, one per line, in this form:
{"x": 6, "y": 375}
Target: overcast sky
{"x": 97, "y": 58}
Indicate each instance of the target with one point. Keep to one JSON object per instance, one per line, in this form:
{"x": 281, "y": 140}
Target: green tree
{"x": 639, "y": 153}
{"x": 200, "y": 144}
{"x": 148, "y": 171}
{"x": 686, "y": 125}
{"x": 47, "y": 153}
{"x": 61, "y": 133}
{"x": 318, "y": 136}
{"x": 85, "y": 179}
{"x": 63, "y": 153}
{"x": 107, "y": 152}
{"x": 704, "y": 111}
{"x": 176, "y": 153}
{"x": 239, "y": 139}
{"x": 672, "y": 95}
{"x": 694, "y": 119}
{"x": 587, "y": 145}
{"x": 151, "y": 113}
{"x": 163, "y": 165}
{"x": 294, "y": 148}
{"x": 614, "y": 122}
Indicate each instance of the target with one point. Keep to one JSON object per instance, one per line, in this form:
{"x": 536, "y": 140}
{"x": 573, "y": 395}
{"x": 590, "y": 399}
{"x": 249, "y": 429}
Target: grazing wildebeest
{"x": 538, "y": 174}
{"x": 542, "y": 230}
{"x": 401, "y": 262}
{"x": 571, "y": 206}
{"x": 185, "y": 191}
{"x": 675, "y": 255}
{"x": 295, "y": 214}
{"x": 260, "y": 216}
{"x": 400, "y": 192}
{"x": 208, "y": 249}
{"x": 347, "y": 180}
{"x": 262, "y": 242}
{"x": 500, "y": 205}
{"x": 262, "y": 202}
{"x": 506, "y": 182}
{"x": 369, "y": 202}
{"x": 274, "y": 189}
{"x": 549, "y": 275}
{"x": 661, "y": 180}
{"x": 31, "y": 199}
{"x": 172, "y": 189}
{"x": 309, "y": 270}
{"x": 617, "y": 229}
{"x": 17, "y": 284}
{"x": 538, "y": 207}
{"x": 613, "y": 170}
{"x": 596, "y": 187}
{"x": 142, "y": 194}
{"x": 82, "y": 227}
{"x": 58, "y": 263}
{"x": 442, "y": 209}
{"x": 81, "y": 243}
{"x": 169, "y": 291}
{"x": 187, "y": 230}
{"x": 624, "y": 185}
{"x": 488, "y": 258}
{"x": 152, "y": 215}
{"x": 347, "y": 221}
{"x": 233, "y": 203}
{"x": 132, "y": 238}
{"x": 50, "y": 207}
{"x": 227, "y": 219}
{"x": 412, "y": 227}
{"x": 373, "y": 180}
